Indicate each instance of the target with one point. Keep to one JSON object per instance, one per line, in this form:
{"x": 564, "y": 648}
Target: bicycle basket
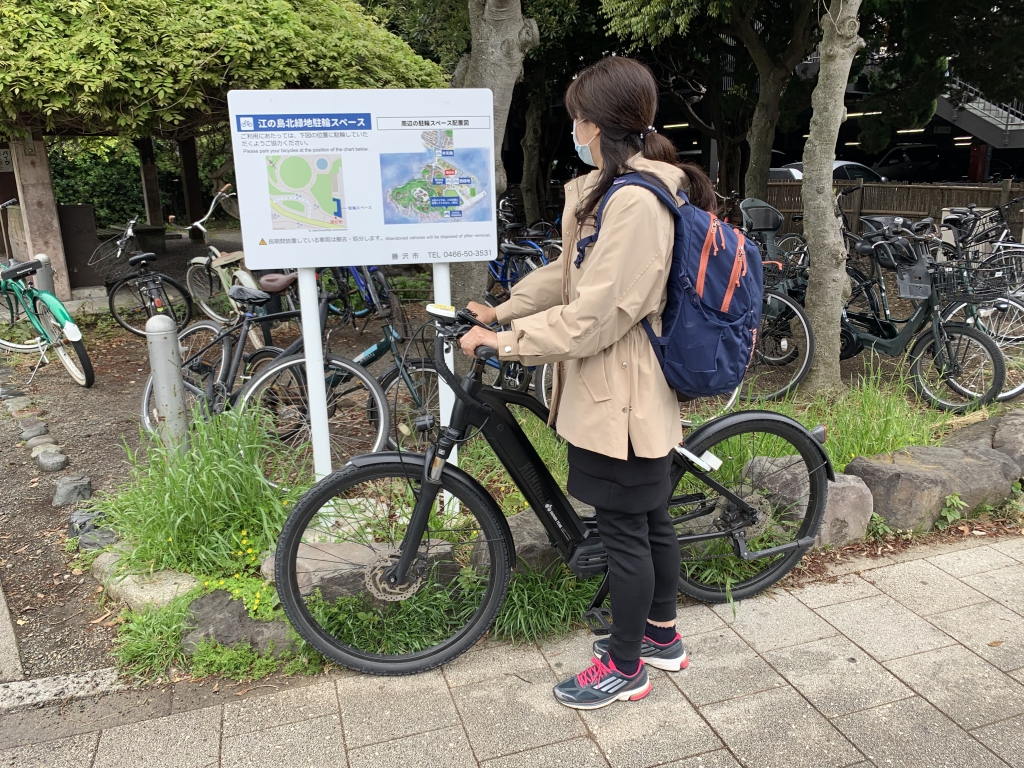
{"x": 968, "y": 280}
{"x": 106, "y": 262}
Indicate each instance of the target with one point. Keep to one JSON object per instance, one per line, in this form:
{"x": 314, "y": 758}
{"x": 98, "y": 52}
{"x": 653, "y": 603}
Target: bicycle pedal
{"x": 599, "y": 621}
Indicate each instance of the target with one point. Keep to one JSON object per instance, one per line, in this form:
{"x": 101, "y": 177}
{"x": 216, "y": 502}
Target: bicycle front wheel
{"x": 771, "y": 465}
{"x": 783, "y": 351}
{"x": 1003, "y": 321}
{"x": 72, "y": 354}
{"x": 357, "y": 413}
{"x": 209, "y": 293}
{"x": 344, "y": 536}
{"x": 960, "y": 372}
{"x": 134, "y": 300}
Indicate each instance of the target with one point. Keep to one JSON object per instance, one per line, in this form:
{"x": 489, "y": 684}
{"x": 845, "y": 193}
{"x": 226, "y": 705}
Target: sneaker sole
{"x": 627, "y": 696}
{"x": 667, "y": 665}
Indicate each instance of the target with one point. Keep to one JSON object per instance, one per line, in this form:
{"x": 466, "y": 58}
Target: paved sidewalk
{"x": 914, "y": 660}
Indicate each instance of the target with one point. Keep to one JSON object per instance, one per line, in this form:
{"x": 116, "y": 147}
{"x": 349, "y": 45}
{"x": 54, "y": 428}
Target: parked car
{"x": 916, "y": 162}
{"x": 841, "y": 169}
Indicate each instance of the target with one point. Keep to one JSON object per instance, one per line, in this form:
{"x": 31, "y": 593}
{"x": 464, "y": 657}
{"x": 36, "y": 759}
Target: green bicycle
{"x": 39, "y": 323}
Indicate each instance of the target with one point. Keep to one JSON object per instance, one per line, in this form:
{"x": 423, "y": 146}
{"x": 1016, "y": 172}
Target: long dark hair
{"x": 620, "y": 96}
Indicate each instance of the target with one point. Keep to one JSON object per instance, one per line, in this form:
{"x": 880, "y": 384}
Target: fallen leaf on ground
{"x": 99, "y": 588}
{"x": 19, "y": 551}
{"x": 21, "y": 622}
{"x": 980, "y": 533}
{"x": 101, "y": 618}
{"x": 996, "y": 643}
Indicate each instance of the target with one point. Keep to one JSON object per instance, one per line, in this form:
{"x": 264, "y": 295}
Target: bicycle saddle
{"x": 228, "y": 258}
{"x": 23, "y": 269}
{"x": 141, "y": 258}
{"x": 245, "y": 295}
{"x": 511, "y": 249}
{"x": 277, "y": 283}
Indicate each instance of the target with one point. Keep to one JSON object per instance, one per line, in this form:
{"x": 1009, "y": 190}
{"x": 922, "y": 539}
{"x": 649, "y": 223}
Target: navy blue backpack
{"x": 715, "y": 290}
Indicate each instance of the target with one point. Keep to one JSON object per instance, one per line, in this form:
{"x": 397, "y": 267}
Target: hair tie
{"x": 650, "y": 129}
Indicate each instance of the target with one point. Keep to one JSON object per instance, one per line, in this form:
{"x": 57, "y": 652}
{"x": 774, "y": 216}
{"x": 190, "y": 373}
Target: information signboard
{"x": 348, "y": 177}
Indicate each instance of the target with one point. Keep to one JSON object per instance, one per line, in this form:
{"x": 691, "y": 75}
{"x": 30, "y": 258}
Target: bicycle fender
{"x": 729, "y": 419}
{"x": 242, "y": 277}
{"x": 418, "y": 460}
{"x": 61, "y": 314}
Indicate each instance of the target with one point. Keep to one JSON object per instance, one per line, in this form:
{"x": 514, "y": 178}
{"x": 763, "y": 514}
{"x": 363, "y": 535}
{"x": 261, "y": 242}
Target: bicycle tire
{"x": 1003, "y": 320}
{"x": 392, "y": 301}
{"x": 131, "y": 310}
{"x": 355, "y": 403}
{"x": 404, "y": 410}
{"x": 206, "y": 287}
{"x": 770, "y": 468}
{"x": 773, "y": 372}
{"x": 973, "y": 396}
{"x": 76, "y": 361}
{"x": 394, "y": 474}
{"x": 196, "y": 357}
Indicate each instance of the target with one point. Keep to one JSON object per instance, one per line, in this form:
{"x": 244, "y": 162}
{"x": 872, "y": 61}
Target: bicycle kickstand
{"x": 43, "y": 360}
{"x": 597, "y": 617}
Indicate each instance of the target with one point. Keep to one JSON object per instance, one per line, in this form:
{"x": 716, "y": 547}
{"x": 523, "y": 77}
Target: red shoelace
{"x": 594, "y": 673}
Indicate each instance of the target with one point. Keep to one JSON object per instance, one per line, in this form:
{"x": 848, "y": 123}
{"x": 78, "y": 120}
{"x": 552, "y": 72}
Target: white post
{"x": 315, "y": 384}
{"x": 43, "y": 278}
{"x": 443, "y": 295}
{"x": 168, "y": 389}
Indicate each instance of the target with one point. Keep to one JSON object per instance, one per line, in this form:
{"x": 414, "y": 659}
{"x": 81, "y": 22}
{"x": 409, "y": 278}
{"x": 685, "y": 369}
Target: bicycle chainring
{"x": 377, "y": 585}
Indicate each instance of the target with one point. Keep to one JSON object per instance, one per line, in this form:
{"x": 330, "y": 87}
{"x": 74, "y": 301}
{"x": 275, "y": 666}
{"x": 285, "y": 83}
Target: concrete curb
{"x": 10, "y": 661}
{"x": 24, "y": 694}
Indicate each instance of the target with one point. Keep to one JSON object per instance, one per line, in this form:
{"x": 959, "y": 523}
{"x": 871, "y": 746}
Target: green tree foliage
{"x": 163, "y": 67}
{"x": 102, "y": 172}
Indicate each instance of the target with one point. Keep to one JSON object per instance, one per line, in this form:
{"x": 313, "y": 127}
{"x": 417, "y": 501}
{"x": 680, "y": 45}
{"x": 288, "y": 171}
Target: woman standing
{"x": 611, "y": 402}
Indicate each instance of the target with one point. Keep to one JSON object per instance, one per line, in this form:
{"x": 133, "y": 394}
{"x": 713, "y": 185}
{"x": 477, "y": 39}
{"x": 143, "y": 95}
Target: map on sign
{"x": 441, "y": 184}
{"x": 306, "y": 192}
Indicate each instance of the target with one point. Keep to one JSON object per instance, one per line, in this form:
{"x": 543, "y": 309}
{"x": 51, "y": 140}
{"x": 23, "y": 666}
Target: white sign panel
{"x": 347, "y": 177}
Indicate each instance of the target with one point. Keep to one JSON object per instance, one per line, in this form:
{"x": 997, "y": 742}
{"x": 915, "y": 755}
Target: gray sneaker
{"x": 671, "y": 657}
{"x": 600, "y": 684}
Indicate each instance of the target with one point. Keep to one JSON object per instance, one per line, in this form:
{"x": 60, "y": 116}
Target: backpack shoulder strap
{"x": 628, "y": 179}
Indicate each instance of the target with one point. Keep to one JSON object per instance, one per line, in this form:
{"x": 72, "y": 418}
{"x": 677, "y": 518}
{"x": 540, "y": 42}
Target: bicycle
{"x": 138, "y": 294}
{"x": 208, "y": 277}
{"x": 399, "y": 562}
{"x": 39, "y": 322}
{"x": 213, "y": 359}
{"x": 954, "y": 366}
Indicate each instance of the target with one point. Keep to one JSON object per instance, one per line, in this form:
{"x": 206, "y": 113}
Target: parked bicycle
{"x": 39, "y": 323}
{"x": 399, "y": 562}
{"x": 137, "y": 293}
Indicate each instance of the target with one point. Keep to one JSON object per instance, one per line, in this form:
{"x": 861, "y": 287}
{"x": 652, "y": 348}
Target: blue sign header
{"x": 358, "y": 121}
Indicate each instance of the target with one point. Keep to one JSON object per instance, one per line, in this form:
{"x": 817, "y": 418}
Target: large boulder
{"x": 139, "y": 591}
{"x": 1008, "y": 437}
{"x": 534, "y": 549}
{"x": 847, "y": 512}
{"x": 910, "y": 486}
{"x": 218, "y": 617}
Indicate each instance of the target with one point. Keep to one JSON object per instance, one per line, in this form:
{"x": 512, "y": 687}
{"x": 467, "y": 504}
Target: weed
{"x": 148, "y": 643}
{"x": 240, "y": 663}
{"x": 952, "y": 512}
{"x": 878, "y": 529}
{"x": 258, "y": 596}
{"x": 543, "y": 604}
{"x": 85, "y": 558}
{"x": 191, "y": 512}
{"x": 71, "y": 545}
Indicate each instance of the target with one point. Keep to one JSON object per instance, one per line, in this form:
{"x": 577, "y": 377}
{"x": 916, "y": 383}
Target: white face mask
{"x": 583, "y": 150}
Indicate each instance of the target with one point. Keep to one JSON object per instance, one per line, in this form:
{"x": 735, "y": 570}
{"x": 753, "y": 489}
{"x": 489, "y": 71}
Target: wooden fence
{"x": 914, "y": 201}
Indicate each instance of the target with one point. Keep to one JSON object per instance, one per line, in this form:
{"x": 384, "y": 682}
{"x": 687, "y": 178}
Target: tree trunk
{"x": 828, "y": 279}
{"x": 529, "y": 186}
{"x": 761, "y": 135}
{"x": 500, "y": 39}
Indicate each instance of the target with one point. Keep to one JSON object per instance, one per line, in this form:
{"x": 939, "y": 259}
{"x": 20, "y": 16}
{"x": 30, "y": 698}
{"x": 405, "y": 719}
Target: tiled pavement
{"x": 913, "y": 660}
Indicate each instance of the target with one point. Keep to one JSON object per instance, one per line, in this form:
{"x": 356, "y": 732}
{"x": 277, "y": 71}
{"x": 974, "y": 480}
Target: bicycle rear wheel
{"x": 1003, "y": 320}
{"x": 355, "y": 407}
{"x": 134, "y": 300}
{"x": 344, "y": 535}
{"x": 202, "y": 360}
{"x": 407, "y": 403}
{"x": 209, "y": 293}
{"x": 777, "y": 470}
{"x": 964, "y": 373}
{"x": 783, "y": 352}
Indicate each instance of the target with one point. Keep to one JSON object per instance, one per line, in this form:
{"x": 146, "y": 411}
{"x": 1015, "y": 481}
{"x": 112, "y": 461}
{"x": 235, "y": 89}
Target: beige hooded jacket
{"x": 609, "y": 389}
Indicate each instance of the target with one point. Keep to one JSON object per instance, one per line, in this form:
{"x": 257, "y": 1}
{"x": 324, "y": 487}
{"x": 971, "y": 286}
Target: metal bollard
{"x": 168, "y": 390}
{"x": 43, "y": 279}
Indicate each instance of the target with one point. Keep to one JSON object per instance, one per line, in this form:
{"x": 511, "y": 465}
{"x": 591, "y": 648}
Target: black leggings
{"x": 631, "y": 499}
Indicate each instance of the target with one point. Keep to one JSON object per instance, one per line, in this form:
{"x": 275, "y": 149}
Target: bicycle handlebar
{"x": 9, "y": 203}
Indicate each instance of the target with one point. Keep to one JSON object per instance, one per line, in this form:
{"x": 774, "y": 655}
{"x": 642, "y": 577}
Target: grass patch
{"x": 240, "y": 663}
{"x": 148, "y": 643}
{"x": 209, "y": 511}
{"x": 541, "y": 605}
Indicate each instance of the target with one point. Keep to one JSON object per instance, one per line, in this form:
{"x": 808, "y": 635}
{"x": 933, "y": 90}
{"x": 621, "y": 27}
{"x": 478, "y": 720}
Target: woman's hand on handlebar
{"x": 477, "y": 337}
{"x": 486, "y": 315}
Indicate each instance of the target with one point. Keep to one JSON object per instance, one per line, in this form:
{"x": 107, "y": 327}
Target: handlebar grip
{"x": 9, "y": 203}
{"x": 485, "y": 353}
{"x": 225, "y": 188}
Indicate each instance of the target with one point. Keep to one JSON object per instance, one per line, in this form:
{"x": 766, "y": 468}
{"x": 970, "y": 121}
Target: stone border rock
{"x": 10, "y": 660}
{"x": 137, "y": 591}
{"x": 24, "y": 694}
